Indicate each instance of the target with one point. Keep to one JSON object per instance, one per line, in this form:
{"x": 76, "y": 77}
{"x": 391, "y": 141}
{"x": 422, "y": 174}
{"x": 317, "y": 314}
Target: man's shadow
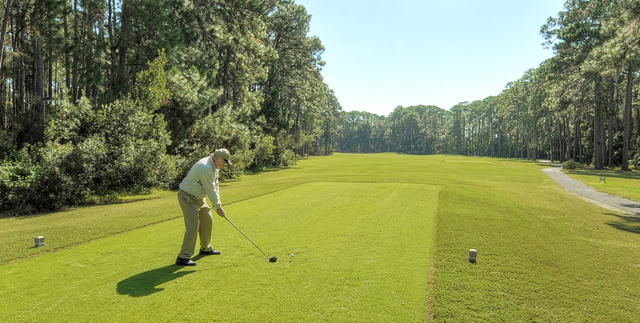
{"x": 145, "y": 284}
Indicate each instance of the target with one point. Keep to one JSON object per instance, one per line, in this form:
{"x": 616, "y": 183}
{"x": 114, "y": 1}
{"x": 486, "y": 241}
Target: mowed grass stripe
{"x": 362, "y": 253}
{"x": 544, "y": 255}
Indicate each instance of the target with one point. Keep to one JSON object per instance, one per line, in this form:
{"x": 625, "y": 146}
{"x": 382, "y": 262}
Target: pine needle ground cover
{"x": 376, "y": 238}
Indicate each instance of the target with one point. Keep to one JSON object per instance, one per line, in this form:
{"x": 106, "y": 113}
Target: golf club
{"x": 272, "y": 259}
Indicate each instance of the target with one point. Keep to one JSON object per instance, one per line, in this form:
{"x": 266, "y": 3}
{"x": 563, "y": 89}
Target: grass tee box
{"x": 362, "y": 253}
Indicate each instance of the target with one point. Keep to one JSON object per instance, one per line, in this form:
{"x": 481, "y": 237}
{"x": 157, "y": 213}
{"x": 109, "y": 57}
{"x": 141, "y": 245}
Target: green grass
{"x": 370, "y": 238}
{"x": 376, "y": 238}
{"x": 618, "y": 182}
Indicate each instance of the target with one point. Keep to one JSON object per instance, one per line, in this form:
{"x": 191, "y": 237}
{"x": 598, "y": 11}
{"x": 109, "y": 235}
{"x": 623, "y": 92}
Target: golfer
{"x": 202, "y": 181}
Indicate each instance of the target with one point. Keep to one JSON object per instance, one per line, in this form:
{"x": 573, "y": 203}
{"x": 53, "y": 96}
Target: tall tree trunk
{"x": 637, "y": 122}
{"x": 76, "y": 56}
{"x": 598, "y": 126}
{"x": 3, "y": 37}
{"x": 566, "y": 136}
{"x": 88, "y": 49}
{"x": 561, "y": 141}
{"x": 125, "y": 36}
{"x": 613, "y": 108}
{"x": 612, "y": 131}
{"x": 635, "y": 134}
{"x": 516, "y": 148}
{"x": 7, "y": 11}
{"x": 98, "y": 57}
{"x": 627, "y": 119}
{"x": 500, "y": 144}
{"x": 528, "y": 145}
{"x": 19, "y": 67}
{"x": 549, "y": 131}
{"x": 67, "y": 63}
{"x": 576, "y": 139}
{"x": 39, "y": 68}
{"x": 49, "y": 93}
{"x": 580, "y": 145}
{"x": 480, "y": 127}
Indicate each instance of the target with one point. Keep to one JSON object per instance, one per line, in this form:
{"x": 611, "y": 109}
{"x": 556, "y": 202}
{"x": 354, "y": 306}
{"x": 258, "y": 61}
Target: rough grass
{"x": 618, "y": 182}
{"x": 544, "y": 254}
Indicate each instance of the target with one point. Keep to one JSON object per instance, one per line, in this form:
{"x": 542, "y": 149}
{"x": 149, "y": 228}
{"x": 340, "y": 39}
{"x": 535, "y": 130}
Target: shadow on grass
{"x": 545, "y": 165}
{"x": 145, "y": 284}
{"x": 634, "y": 206}
{"x": 32, "y": 212}
{"x": 268, "y": 170}
{"x": 606, "y": 173}
{"x": 626, "y": 223}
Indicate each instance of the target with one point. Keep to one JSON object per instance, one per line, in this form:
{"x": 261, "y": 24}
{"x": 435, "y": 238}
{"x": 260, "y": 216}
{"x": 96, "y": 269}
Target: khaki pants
{"x": 197, "y": 220}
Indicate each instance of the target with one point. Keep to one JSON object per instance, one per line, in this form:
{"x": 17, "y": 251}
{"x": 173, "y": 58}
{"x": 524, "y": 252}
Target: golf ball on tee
{"x": 291, "y": 255}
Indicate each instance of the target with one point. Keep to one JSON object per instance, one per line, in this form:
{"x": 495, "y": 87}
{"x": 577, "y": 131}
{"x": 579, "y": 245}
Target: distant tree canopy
{"x": 104, "y": 96}
{"x": 581, "y": 104}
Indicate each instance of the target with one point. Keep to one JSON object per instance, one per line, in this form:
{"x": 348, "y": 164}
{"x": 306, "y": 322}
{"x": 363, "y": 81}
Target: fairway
{"x": 375, "y": 238}
{"x": 362, "y": 253}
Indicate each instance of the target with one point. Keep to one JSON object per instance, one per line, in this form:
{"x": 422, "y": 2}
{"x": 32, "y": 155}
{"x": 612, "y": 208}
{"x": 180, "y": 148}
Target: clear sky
{"x": 382, "y": 54}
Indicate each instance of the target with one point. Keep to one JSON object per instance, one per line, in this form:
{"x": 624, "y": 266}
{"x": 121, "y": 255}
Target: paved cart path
{"x": 605, "y": 200}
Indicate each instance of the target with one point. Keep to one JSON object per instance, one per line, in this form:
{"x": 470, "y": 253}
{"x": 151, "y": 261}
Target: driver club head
{"x": 273, "y": 259}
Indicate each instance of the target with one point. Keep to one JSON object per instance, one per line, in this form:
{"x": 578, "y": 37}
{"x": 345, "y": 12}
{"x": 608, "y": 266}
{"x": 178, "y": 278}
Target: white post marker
{"x": 39, "y": 240}
{"x": 472, "y": 255}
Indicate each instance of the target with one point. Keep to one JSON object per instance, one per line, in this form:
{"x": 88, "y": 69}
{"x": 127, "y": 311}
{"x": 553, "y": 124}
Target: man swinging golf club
{"x": 202, "y": 181}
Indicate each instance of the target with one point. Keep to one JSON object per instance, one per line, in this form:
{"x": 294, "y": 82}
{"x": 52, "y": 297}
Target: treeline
{"x": 104, "y": 96}
{"x": 582, "y": 104}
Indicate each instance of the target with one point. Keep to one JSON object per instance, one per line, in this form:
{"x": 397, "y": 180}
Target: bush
{"x": 571, "y": 164}
{"x": 263, "y": 152}
{"x": 17, "y": 183}
{"x": 66, "y": 176}
{"x": 634, "y": 162}
{"x": 96, "y": 151}
{"x": 7, "y": 144}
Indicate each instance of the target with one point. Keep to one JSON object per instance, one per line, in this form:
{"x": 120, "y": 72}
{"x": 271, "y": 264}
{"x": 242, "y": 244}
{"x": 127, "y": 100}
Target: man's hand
{"x": 220, "y": 212}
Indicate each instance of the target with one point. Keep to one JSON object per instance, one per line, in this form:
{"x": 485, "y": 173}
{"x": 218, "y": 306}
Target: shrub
{"x": 7, "y": 143}
{"x": 66, "y": 176}
{"x": 263, "y": 152}
{"x": 571, "y": 164}
{"x": 96, "y": 151}
{"x": 17, "y": 182}
{"x": 634, "y": 162}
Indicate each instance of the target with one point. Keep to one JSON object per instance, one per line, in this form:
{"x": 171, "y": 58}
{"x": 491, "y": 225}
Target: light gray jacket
{"x": 202, "y": 181}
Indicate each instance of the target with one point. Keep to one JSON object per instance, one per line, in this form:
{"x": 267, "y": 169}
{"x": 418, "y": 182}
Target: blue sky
{"x": 382, "y": 54}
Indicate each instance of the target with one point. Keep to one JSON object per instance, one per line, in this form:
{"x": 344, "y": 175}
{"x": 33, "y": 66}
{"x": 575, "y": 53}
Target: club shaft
{"x": 246, "y": 237}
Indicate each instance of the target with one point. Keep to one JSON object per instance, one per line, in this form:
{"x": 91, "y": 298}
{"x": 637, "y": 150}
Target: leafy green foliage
{"x": 119, "y": 146}
{"x": 17, "y": 183}
{"x": 571, "y": 164}
{"x": 192, "y": 96}
{"x": 99, "y": 118}
{"x": 7, "y": 144}
{"x": 150, "y": 88}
